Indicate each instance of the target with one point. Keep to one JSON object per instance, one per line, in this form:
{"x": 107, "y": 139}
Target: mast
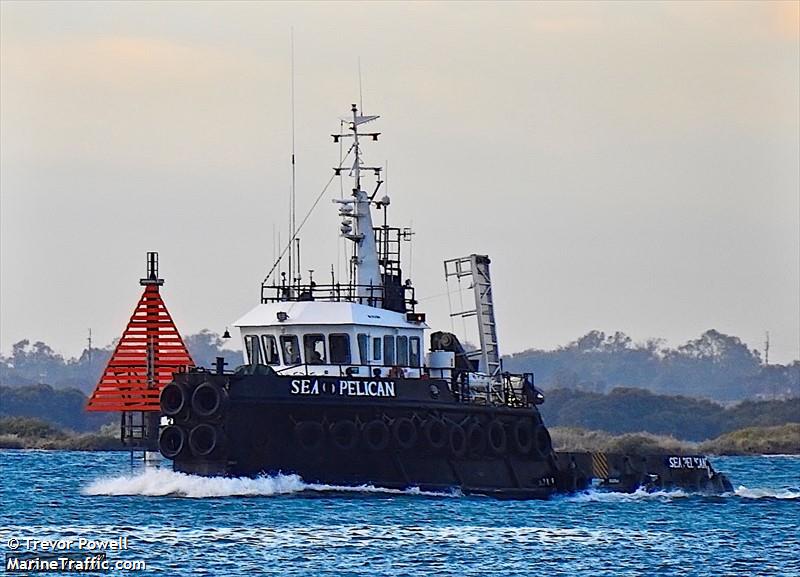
{"x": 365, "y": 259}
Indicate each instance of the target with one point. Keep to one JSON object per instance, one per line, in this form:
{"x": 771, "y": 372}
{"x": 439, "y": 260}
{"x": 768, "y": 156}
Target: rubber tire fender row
{"x": 309, "y": 435}
{"x": 457, "y": 440}
{"x": 376, "y": 435}
{"x": 174, "y": 400}
{"x": 476, "y": 438}
{"x": 435, "y": 433}
{"x": 543, "y": 444}
{"x": 206, "y": 440}
{"x": 209, "y": 400}
{"x": 496, "y": 437}
{"x": 404, "y": 433}
{"x": 172, "y": 441}
{"x": 344, "y": 435}
{"x": 522, "y": 435}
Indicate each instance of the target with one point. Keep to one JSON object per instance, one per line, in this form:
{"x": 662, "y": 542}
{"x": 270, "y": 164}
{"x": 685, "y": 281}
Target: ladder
{"x": 476, "y": 267}
{"x": 139, "y": 429}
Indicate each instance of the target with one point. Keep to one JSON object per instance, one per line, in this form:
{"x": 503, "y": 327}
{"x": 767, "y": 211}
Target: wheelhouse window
{"x": 340, "y": 349}
{"x": 253, "y": 348}
{"x": 388, "y": 350}
{"x": 414, "y": 356}
{"x": 363, "y": 348}
{"x": 291, "y": 350}
{"x": 270, "y": 350}
{"x": 377, "y": 349}
{"x": 402, "y": 351}
{"x": 314, "y": 348}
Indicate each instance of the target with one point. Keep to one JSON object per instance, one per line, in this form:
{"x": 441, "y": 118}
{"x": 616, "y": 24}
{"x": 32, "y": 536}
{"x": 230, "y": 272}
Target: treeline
{"x": 34, "y": 363}
{"x": 623, "y": 410}
{"x": 715, "y": 366}
{"x": 779, "y": 440}
{"x": 630, "y": 410}
{"x": 65, "y": 408}
{"x": 30, "y": 433}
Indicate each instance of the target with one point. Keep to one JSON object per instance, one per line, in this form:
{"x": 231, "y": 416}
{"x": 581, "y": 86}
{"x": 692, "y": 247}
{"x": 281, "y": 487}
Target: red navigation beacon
{"x": 150, "y": 351}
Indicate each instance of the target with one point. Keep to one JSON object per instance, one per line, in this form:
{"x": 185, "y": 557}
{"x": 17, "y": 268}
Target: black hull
{"x": 398, "y": 435}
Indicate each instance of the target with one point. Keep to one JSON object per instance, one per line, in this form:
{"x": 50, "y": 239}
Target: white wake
{"x": 163, "y": 482}
{"x": 747, "y": 493}
{"x": 599, "y": 496}
{"x": 743, "y": 492}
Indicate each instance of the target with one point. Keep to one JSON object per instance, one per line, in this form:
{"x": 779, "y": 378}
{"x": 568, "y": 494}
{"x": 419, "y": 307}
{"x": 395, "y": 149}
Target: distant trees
{"x": 30, "y": 364}
{"x": 63, "y": 407}
{"x": 206, "y": 346}
{"x": 631, "y": 410}
{"x": 715, "y": 365}
{"x": 32, "y": 433}
{"x": 69, "y": 381}
{"x": 600, "y": 382}
{"x": 623, "y": 410}
{"x": 38, "y": 363}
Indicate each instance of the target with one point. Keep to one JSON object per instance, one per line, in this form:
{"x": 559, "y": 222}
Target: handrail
{"x": 343, "y": 368}
{"x": 336, "y": 292}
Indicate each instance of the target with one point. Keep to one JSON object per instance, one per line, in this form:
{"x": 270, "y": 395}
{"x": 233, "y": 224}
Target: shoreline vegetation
{"x": 775, "y": 440}
{"x": 714, "y": 366}
{"x": 620, "y": 411}
{"x": 31, "y": 433}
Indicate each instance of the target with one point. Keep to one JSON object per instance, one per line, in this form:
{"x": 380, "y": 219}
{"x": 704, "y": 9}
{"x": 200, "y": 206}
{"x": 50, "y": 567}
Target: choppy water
{"x": 183, "y": 525}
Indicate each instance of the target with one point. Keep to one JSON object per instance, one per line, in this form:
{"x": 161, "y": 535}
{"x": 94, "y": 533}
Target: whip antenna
{"x": 360, "y": 93}
{"x": 292, "y": 194}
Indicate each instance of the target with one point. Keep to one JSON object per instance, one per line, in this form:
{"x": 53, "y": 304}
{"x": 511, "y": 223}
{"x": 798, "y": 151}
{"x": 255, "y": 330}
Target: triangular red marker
{"x": 150, "y": 351}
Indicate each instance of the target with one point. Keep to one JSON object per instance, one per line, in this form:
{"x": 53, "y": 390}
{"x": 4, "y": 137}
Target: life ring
{"x": 523, "y": 436}
{"x": 543, "y": 445}
{"x": 376, "y": 435}
{"x": 173, "y": 400}
{"x": 205, "y": 440}
{"x": 435, "y": 432}
{"x": 172, "y": 441}
{"x": 404, "y": 433}
{"x": 209, "y": 400}
{"x": 476, "y": 438}
{"x": 496, "y": 437}
{"x": 344, "y": 435}
{"x": 309, "y": 435}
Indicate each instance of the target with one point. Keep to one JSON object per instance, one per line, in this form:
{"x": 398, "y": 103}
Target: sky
{"x": 627, "y": 166}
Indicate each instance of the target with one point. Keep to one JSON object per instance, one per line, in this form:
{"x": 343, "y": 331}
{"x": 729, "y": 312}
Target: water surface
{"x": 183, "y": 525}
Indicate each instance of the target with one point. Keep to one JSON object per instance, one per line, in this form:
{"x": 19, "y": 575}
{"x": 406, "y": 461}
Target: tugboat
{"x": 337, "y": 386}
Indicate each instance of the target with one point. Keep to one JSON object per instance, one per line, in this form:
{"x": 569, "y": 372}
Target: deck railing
{"x": 370, "y": 295}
